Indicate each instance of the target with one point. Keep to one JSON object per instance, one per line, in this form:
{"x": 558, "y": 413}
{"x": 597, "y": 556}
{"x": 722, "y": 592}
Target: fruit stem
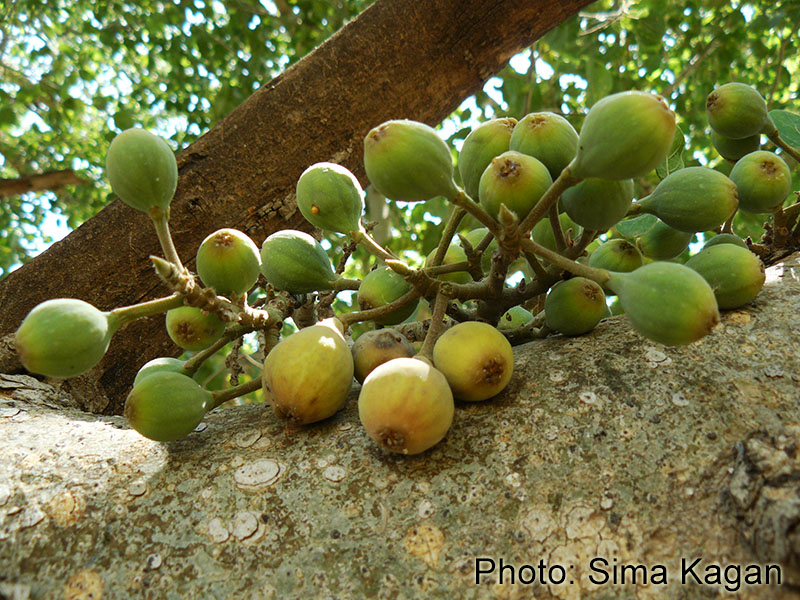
{"x": 781, "y": 143}
{"x": 456, "y": 216}
{"x": 558, "y": 233}
{"x": 222, "y": 396}
{"x": 128, "y": 314}
{"x": 362, "y": 237}
{"x": 437, "y": 322}
{"x": 597, "y": 275}
{"x": 463, "y": 200}
{"x": 464, "y": 265}
{"x": 727, "y": 227}
{"x": 563, "y": 182}
{"x": 232, "y": 332}
{"x": 160, "y": 218}
{"x": 376, "y": 313}
{"x": 342, "y": 283}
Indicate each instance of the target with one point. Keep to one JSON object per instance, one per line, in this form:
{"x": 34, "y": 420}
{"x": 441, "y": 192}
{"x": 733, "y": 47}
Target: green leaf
{"x": 674, "y": 160}
{"x": 788, "y": 125}
{"x": 635, "y": 227}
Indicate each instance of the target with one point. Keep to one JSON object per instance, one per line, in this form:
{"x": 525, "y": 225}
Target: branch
{"x": 49, "y": 181}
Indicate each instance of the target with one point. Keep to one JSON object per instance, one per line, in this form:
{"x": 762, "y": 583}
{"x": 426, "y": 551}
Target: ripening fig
{"x": 548, "y": 137}
{"x": 726, "y": 238}
{"x": 192, "y": 328}
{"x": 64, "y": 337}
{"x": 141, "y": 169}
{"x": 514, "y": 317}
{"x": 330, "y": 197}
{"x": 543, "y": 231}
{"x": 408, "y": 161}
{"x": 514, "y": 179}
{"x": 731, "y": 149}
{"x": 662, "y": 242}
{"x": 167, "y": 406}
{"x": 406, "y": 405}
{"x": 575, "y": 306}
{"x": 764, "y": 181}
{"x": 598, "y": 204}
{"x": 693, "y": 199}
{"x": 308, "y": 375}
{"x": 616, "y": 255}
{"x": 454, "y": 254}
{"x": 297, "y": 263}
{"x": 376, "y": 347}
{"x": 476, "y": 359}
{"x": 625, "y": 135}
{"x": 228, "y": 261}
{"x": 383, "y": 286}
{"x": 487, "y": 140}
{"x": 736, "y": 110}
{"x": 160, "y": 365}
{"x": 734, "y": 273}
{"x": 667, "y": 302}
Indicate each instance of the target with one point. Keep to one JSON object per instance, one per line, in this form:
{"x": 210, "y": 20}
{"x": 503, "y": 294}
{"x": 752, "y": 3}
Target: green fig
{"x": 487, "y": 140}
{"x": 764, "y": 181}
{"x": 668, "y": 303}
{"x": 228, "y": 261}
{"x": 294, "y": 261}
{"x": 598, "y": 204}
{"x": 624, "y": 136}
{"x": 454, "y": 254}
{"x": 383, "y": 286}
{"x": 693, "y": 199}
{"x": 514, "y": 317}
{"x": 736, "y": 110}
{"x": 616, "y": 255}
{"x": 408, "y": 161}
{"x": 308, "y": 375}
{"x": 330, "y": 197}
{"x": 373, "y": 348}
{"x": 476, "y": 359}
{"x": 514, "y": 179}
{"x": 734, "y": 273}
{"x": 548, "y": 137}
{"x": 725, "y": 238}
{"x": 543, "y": 231}
{"x": 193, "y": 329}
{"x": 64, "y": 337}
{"x": 166, "y": 406}
{"x": 160, "y": 365}
{"x": 662, "y": 242}
{"x": 142, "y": 170}
{"x": 731, "y": 149}
{"x": 575, "y": 306}
{"x": 406, "y": 405}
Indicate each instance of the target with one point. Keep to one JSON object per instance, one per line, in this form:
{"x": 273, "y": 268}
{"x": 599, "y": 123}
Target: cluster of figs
{"x": 545, "y": 194}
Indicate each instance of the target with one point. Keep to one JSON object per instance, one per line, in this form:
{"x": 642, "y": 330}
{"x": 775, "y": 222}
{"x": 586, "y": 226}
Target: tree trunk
{"x": 398, "y": 59}
{"x": 604, "y": 446}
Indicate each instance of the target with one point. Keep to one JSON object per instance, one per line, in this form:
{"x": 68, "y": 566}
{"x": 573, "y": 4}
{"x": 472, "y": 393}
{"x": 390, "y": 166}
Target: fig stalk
{"x": 456, "y": 216}
{"x": 222, "y": 396}
{"x": 564, "y": 181}
{"x": 437, "y": 321}
{"x": 782, "y": 144}
{"x": 597, "y": 275}
{"x": 128, "y": 314}
{"x": 160, "y": 218}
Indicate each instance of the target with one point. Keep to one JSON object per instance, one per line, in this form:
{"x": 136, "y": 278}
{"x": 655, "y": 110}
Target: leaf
{"x": 635, "y": 227}
{"x": 788, "y": 125}
{"x": 674, "y": 160}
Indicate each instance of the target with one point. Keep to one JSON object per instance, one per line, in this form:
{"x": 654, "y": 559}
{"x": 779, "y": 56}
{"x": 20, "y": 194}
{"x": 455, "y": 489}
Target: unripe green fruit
{"x": 64, "y": 337}
{"x": 330, "y": 197}
{"x": 616, "y": 255}
{"x": 308, "y": 375}
{"x": 514, "y": 179}
{"x": 735, "y": 274}
{"x": 548, "y": 137}
{"x": 476, "y": 359}
{"x": 228, "y": 261}
{"x": 575, "y": 306}
{"x": 625, "y": 135}
{"x": 731, "y": 149}
{"x": 406, "y": 405}
{"x": 543, "y": 231}
{"x": 693, "y": 199}
{"x": 666, "y": 302}
{"x": 454, "y": 254}
{"x": 160, "y": 365}
{"x": 726, "y": 238}
{"x": 598, "y": 204}
{"x": 294, "y": 261}
{"x": 373, "y": 348}
{"x": 474, "y": 238}
{"x": 487, "y": 140}
{"x": 736, "y": 111}
{"x": 408, "y": 161}
{"x": 514, "y": 317}
{"x": 383, "y": 286}
{"x": 662, "y": 242}
{"x": 192, "y": 329}
{"x": 141, "y": 169}
{"x": 764, "y": 181}
{"x": 167, "y": 406}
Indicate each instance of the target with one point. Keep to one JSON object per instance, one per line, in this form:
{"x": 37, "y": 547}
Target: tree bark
{"x": 398, "y": 59}
{"x": 603, "y": 446}
{"x": 52, "y": 180}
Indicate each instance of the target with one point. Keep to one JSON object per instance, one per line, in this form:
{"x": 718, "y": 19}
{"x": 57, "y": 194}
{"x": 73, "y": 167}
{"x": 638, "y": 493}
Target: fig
{"x": 543, "y": 232}
{"x": 476, "y": 359}
{"x": 297, "y": 263}
{"x": 330, "y": 197}
{"x": 736, "y": 110}
{"x": 228, "y": 261}
{"x": 514, "y": 317}
{"x": 193, "y": 329}
{"x": 64, "y": 337}
{"x": 575, "y": 306}
{"x": 308, "y": 375}
{"x": 167, "y": 406}
{"x": 142, "y": 170}
{"x": 474, "y": 237}
{"x": 598, "y": 204}
{"x": 616, "y": 255}
{"x": 693, "y": 199}
{"x": 406, "y": 405}
{"x": 374, "y": 348}
{"x": 764, "y": 181}
{"x": 454, "y": 254}
{"x": 668, "y": 303}
{"x": 160, "y": 365}
{"x": 731, "y": 149}
{"x": 734, "y": 273}
{"x": 487, "y": 140}
{"x": 408, "y": 161}
{"x": 725, "y": 238}
{"x": 548, "y": 137}
{"x": 382, "y": 286}
{"x": 624, "y": 136}
{"x": 662, "y": 242}
{"x": 514, "y": 179}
